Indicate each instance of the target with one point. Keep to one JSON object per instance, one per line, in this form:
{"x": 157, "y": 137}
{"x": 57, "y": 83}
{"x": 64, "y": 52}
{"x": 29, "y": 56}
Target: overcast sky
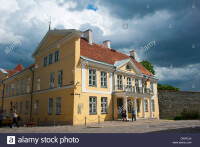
{"x": 173, "y": 26}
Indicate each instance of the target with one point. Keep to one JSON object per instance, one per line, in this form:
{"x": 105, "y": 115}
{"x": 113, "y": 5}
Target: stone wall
{"x": 171, "y": 103}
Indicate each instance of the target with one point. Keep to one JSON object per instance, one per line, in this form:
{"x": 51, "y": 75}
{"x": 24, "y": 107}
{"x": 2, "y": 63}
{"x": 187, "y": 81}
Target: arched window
{"x": 128, "y": 67}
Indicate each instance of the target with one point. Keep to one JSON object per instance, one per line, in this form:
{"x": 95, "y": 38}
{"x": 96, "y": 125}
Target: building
{"x": 74, "y": 79}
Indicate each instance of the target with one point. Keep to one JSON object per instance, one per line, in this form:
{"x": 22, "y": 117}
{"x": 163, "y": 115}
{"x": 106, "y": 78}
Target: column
{"x": 143, "y": 107}
{"x": 126, "y": 106}
{"x": 135, "y": 103}
{"x": 150, "y": 102}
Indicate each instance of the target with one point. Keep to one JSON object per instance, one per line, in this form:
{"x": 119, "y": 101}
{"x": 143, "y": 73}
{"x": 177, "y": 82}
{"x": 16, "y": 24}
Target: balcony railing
{"x": 133, "y": 89}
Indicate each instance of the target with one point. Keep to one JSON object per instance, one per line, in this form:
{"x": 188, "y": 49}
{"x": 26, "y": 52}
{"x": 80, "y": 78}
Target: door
{"x": 119, "y": 107}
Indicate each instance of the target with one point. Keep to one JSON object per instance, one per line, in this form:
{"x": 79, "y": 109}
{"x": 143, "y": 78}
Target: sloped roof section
{"x": 104, "y": 54}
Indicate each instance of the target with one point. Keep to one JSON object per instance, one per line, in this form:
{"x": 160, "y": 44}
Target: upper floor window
{"x": 128, "y": 67}
{"x": 137, "y": 85}
{"x": 59, "y": 78}
{"x": 119, "y": 82}
{"x": 104, "y": 105}
{"x": 56, "y": 56}
{"x": 51, "y": 85}
{"x": 13, "y": 89}
{"x": 6, "y": 90}
{"x": 92, "y": 77}
{"x": 153, "y": 105}
{"x": 151, "y": 87}
{"x": 128, "y": 82}
{"x": 45, "y": 61}
{"x": 17, "y": 88}
{"x": 58, "y": 105}
{"x": 22, "y": 86}
{"x": 50, "y": 58}
{"x": 38, "y": 84}
{"x": 28, "y": 83}
{"x": 93, "y": 105}
{"x": 104, "y": 79}
{"x": 146, "y": 105}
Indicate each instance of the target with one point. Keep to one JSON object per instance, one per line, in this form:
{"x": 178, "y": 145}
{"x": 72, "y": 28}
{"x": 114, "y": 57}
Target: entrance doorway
{"x": 119, "y": 107}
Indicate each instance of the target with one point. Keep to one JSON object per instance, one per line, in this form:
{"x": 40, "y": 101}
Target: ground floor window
{"x": 50, "y": 106}
{"x": 36, "y": 106}
{"x": 138, "y": 105}
{"x": 20, "y": 107}
{"x": 26, "y": 107}
{"x": 58, "y": 105}
{"x": 153, "y": 105}
{"x": 104, "y": 105}
{"x": 129, "y": 105}
{"x": 146, "y": 105}
{"x": 93, "y": 105}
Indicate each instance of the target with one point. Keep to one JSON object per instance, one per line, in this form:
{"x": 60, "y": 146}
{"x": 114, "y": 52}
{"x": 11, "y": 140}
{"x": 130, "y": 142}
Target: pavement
{"x": 139, "y": 126}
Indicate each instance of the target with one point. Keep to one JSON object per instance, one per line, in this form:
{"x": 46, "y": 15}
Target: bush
{"x": 178, "y": 117}
{"x": 192, "y": 114}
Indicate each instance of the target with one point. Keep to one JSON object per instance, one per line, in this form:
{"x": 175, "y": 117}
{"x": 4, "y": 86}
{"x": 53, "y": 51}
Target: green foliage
{"x": 192, "y": 114}
{"x": 167, "y": 87}
{"x": 148, "y": 66}
{"x": 178, "y": 117}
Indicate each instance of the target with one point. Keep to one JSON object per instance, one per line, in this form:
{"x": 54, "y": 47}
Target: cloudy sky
{"x": 172, "y": 24}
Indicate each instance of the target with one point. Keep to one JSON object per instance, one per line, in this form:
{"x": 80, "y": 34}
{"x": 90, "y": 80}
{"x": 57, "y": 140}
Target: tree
{"x": 148, "y": 66}
{"x": 167, "y": 87}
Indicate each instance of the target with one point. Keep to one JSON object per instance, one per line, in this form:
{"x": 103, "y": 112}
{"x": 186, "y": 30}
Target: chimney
{"x": 107, "y": 44}
{"x": 88, "y": 35}
{"x": 133, "y": 54}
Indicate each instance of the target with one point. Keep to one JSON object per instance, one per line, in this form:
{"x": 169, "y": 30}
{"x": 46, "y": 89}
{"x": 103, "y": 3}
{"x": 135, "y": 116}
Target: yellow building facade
{"x": 75, "y": 80}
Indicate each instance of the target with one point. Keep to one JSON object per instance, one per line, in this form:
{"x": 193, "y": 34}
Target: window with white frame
{"x": 28, "y": 84}
{"x": 58, "y": 105}
{"x": 129, "y": 102}
{"x": 50, "y": 105}
{"x": 56, "y": 56}
{"x": 137, "y": 85}
{"x": 36, "y": 106}
{"x": 22, "y": 86}
{"x": 38, "y": 84}
{"x": 6, "y": 90}
{"x": 50, "y": 58}
{"x": 13, "y": 89}
{"x": 20, "y": 107}
{"x": 93, "y": 105}
{"x": 16, "y": 106}
{"x": 26, "y": 107}
{"x": 9, "y": 89}
{"x": 92, "y": 77}
{"x": 103, "y": 79}
{"x": 146, "y": 105}
{"x": 104, "y": 105}
{"x": 59, "y": 78}
{"x": 128, "y": 82}
{"x": 119, "y": 82}
{"x": 151, "y": 87}
{"x": 153, "y": 105}
{"x": 51, "y": 80}
{"x": 17, "y": 88}
{"x": 138, "y": 105}
{"x": 45, "y": 61}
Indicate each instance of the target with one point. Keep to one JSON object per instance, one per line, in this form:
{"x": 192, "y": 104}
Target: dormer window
{"x": 128, "y": 67}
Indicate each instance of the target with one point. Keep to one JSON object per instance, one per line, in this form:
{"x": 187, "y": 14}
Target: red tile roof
{"x": 104, "y": 54}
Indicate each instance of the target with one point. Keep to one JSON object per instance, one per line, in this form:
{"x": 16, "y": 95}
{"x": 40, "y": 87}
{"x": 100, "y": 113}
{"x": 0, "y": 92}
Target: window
{"x": 28, "y": 82}
{"x": 129, "y": 102}
{"x": 50, "y": 58}
{"x": 9, "y": 89}
{"x": 146, "y": 105}
{"x": 16, "y": 106}
{"x": 45, "y": 61}
{"x": 22, "y": 86}
{"x": 59, "y": 78}
{"x": 128, "y": 67}
{"x": 51, "y": 85}
{"x": 92, "y": 77}
{"x": 153, "y": 105}
{"x": 137, "y": 85}
{"x": 26, "y": 107}
{"x": 58, "y": 105}
{"x": 50, "y": 106}
{"x": 119, "y": 82}
{"x": 138, "y": 105}
{"x": 17, "y": 88}
{"x": 151, "y": 87}
{"x": 103, "y": 79}
{"x": 93, "y": 105}
{"x": 6, "y": 90}
{"x": 38, "y": 83}
{"x": 56, "y": 56}
{"x": 20, "y": 107}
{"x": 104, "y": 105}
{"x": 4, "y": 112}
{"x": 13, "y": 89}
{"x": 128, "y": 82}
{"x": 36, "y": 106}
